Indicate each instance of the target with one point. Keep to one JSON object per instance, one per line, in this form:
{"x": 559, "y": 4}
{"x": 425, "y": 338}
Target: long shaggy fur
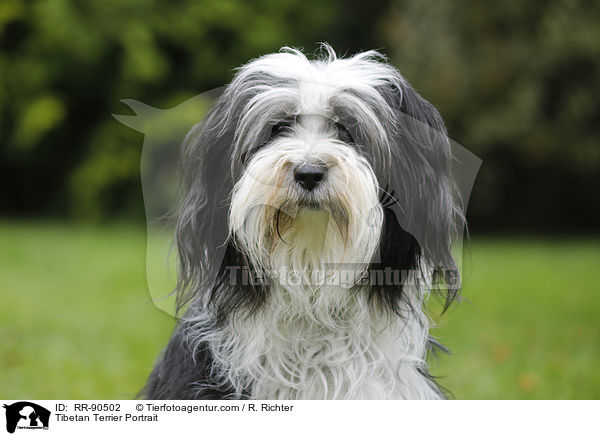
{"x": 290, "y": 293}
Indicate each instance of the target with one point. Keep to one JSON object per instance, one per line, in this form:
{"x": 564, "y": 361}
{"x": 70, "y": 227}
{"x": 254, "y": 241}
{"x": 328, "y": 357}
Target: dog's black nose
{"x": 309, "y": 176}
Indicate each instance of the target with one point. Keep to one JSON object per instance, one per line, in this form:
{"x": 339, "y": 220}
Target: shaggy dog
{"x": 318, "y": 215}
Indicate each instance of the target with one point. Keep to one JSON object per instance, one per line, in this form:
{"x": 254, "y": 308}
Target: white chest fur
{"x": 342, "y": 354}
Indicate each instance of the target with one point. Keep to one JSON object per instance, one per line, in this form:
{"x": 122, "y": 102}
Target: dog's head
{"x": 301, "y": 164}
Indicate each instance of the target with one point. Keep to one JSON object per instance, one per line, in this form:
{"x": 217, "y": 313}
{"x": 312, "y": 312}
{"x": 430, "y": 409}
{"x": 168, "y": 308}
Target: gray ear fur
{"x": 201, "y": 231}
{"x": 427, "y": 206}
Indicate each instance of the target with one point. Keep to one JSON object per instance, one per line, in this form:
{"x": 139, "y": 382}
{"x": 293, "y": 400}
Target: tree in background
{"x": 515, "y": 81}
{"x": 64, "y": 66}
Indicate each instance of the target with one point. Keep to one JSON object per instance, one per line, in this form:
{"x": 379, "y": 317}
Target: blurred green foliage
{"x": 65, "y": 65}
{"x": 516, "y": 82}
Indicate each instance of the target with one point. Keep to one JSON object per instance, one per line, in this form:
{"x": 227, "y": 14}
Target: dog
{"x": 318, "y": 216}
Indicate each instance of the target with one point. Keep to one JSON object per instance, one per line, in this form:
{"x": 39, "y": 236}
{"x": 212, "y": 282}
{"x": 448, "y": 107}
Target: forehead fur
{"x": 311, "y": 85}
{"x": 361, "y": 92}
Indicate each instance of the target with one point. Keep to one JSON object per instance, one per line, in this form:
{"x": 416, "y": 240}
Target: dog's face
{"x": 308, "y": 142}
{"x": 307, "y": 197}
{"x": 318, "y": 163}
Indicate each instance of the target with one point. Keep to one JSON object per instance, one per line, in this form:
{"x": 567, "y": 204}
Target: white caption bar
{"x": 299, "y": 417}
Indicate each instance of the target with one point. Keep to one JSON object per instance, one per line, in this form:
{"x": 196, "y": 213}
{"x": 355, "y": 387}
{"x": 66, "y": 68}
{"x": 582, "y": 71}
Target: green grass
{"x": 531, "y": 326}
{"x": 76, "y": 319}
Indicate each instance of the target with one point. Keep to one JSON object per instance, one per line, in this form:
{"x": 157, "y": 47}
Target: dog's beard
{"x": 324, "y": 238}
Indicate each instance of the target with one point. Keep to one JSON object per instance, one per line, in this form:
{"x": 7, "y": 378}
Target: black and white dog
{"x": 318, "y": 215}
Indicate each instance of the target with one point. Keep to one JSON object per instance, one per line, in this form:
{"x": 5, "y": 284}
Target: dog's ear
{"x": 214, "y": 155}
{"x": 206, "y": 183}
{"x": 239, "y": 286}
{"x": 424, "y": 197}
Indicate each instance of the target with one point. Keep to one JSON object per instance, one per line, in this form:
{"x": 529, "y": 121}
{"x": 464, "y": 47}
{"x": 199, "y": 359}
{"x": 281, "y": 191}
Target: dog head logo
{"x": 26, "y": 415}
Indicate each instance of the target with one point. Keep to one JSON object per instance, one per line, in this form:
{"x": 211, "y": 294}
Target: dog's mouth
{"x": 313, "y": 200}
{"x": 311, "y": 204}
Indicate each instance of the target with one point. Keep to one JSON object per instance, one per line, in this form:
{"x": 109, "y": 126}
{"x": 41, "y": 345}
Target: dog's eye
{"x": 276, "y": 130}
{"x": 343, "y": 134}
{"x": 281, "y": 127}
